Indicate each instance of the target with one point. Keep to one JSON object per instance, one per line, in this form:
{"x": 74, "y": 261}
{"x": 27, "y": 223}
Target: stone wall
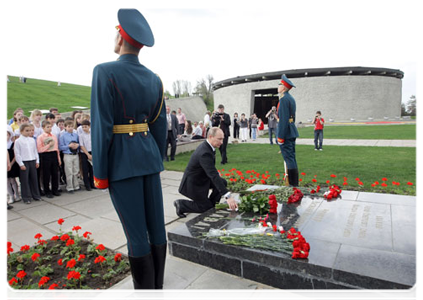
{"x": 194, "y": 108}
{"x": 341, "y": 98}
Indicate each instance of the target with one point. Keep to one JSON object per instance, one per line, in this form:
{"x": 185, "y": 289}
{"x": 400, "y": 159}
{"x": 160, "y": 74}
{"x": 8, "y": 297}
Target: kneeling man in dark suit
{"x": 200, "y": 176}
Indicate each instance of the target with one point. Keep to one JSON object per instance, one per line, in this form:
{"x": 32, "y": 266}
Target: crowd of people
{"x": 45, "y": 152}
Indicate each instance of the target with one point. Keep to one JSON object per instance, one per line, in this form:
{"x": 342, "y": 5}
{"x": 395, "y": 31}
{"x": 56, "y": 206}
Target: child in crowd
{"x": 35, "y": 119}
{"x": 254, "y": 125}
{"x": 28, "y": 160}
{"x": 54, "y": 128}
{"x": 12, "y": 185}
{"x": 21, "y": 121}
{"x": 69, "y": 144}
{"x": 16, "y": 115}
{"x": 61, "y": 125}
{"x": 77, "y": 121}
{"x": 86, "y": 158}
{"x": 48, "y": 151}
{"x": 243, "y": 123}
{"x": 84, "y": 117}
{"x": 260, "y": 127}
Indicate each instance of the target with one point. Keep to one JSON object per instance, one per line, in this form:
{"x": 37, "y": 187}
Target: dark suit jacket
{"x": 224, "y": 125}
{"x": 200, "y": 173}
{"x": 174, "y": 125}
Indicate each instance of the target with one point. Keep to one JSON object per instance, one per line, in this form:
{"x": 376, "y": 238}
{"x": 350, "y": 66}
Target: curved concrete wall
{"x": 194, "y": 108}
{"x": 338, "y": 97}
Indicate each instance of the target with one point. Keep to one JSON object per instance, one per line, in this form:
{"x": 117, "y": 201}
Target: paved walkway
{"x": 94, "y": 212}
{"x": 343, "y": 142}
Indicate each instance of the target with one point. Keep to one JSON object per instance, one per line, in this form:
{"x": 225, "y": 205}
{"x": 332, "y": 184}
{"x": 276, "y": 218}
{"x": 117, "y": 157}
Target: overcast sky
{"x": 62, "y": 42}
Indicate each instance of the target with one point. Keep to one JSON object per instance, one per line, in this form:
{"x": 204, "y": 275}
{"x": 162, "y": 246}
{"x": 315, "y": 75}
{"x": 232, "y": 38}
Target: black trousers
{"x": 49, "y": 165}
{"x": 87, "y": 171}
{"x": 202, "y": 205}
{"x": 222, "y": 150}
{"x": 172, "y": 141}
{"x": 29, "y": 181}
{"x": 181, "y": 128}
{"x": 236, "y": 131}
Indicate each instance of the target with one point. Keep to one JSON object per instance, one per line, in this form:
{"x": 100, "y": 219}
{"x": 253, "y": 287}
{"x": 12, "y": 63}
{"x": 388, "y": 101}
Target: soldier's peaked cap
{"x": 134, "y": 28}
{"x": 286, "y": 82}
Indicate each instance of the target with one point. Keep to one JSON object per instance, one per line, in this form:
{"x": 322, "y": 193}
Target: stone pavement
{"x": 94, "y": 212}
{"x": 344, "y": 142}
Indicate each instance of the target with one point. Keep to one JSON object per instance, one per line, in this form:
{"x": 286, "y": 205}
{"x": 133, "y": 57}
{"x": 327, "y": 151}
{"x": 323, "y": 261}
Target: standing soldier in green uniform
{"x": 287, "y": 131}
{"x": 128, "y": 145}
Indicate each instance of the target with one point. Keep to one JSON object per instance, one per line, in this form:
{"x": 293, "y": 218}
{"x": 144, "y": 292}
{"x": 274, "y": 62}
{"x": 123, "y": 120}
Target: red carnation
{"x": 384, "y": 179}
{"x": 100, "y": 247}
{"x": 71, "y": 263}
{"x": 60, "y": 221}
{"x": 333, "y": 175}
{"x": 35, "y": 256}
{"x": 38, "y": 236}
{"x": 86, "y": 234}
{"x": 60, "y": 262}
{"x": 384, "y": 184}
{"x": 25, "y": 248}
{"x": 65, "y": 237}
{"x": 74, "y": 275}
{"x": 70, "y": 242}
{"x": 53, "y": 286}
{"x": 409, "y": 183}
{"x": 345, "y": 183}
{"x": 81, "y": 257}
{"x": 76, "y": 228}
{"x": 99, "y": 259}
{"x": 118, "y": 257}
{"x": 314, "y": 180}
{"x": 43, "y": 281}
{"x": 13, "y": 281}
{"x": 54, "y": 238}
{"x": 302, "y": 173}
{"x": 21, "y": 274}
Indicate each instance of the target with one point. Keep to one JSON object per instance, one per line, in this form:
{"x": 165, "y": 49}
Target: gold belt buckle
{"x": 291, "y": 120}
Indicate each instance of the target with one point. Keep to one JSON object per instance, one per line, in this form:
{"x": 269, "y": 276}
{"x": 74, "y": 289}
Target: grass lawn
{"x": 369, "y": 164}
{"x": 370, "y": 132}
{"x": 43, "y": 94}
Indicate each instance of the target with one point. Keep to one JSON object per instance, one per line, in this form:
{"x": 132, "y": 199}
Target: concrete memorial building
{"x": 342, "y": 94}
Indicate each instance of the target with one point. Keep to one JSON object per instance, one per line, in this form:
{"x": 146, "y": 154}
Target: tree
{"x": 181, "y": 88}
{"x": 411, "y": 106}
{"x": 205, "y": 90}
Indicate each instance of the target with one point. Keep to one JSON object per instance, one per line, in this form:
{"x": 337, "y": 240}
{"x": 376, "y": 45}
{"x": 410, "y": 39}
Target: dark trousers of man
{"x": 172, "y": 141}
{"x": 288, "y": 153}
{"x": 49, "y": 165}
{"x": 271, "y": 132}
{"x": 222, "y": 150}
{"x": 181, "y": 128}
{"x": 203, "y": 204}
{"x": 29, "y": 181}
{"x": 318, "y": 138}
{"x": 236, "y": 131}
{"x": 87, "y": 171}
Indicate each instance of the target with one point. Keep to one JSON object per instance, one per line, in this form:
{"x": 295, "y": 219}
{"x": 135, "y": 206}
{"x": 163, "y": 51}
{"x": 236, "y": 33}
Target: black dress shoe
{"x": 42, "y": 193}
{"x": 178, "y": 209}
{"x": 37, "y": 199}
{"x": 49, "y": 196}
{"x": 88, "y": 188}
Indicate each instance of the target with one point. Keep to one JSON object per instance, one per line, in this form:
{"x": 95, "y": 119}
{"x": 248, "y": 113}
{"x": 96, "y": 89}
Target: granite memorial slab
{"x": 354, "y": 245}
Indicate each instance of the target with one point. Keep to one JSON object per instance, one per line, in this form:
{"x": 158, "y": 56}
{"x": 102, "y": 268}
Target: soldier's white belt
{"x": 130, "y": 128}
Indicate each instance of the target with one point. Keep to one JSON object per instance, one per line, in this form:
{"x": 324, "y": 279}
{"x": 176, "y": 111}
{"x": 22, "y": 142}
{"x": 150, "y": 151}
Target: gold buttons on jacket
{"x": 131, "y": 121}
{"x": 131, "y": 134}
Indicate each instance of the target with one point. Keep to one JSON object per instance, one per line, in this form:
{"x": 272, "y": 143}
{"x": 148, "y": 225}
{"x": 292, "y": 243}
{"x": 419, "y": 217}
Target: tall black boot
{"x": 142, "y": 269}
{"x": 293, "y": 177}
{"x": 159, "y": 258}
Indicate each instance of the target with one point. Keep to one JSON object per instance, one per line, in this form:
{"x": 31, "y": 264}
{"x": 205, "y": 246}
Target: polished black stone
{"x": 354, "y": 244}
